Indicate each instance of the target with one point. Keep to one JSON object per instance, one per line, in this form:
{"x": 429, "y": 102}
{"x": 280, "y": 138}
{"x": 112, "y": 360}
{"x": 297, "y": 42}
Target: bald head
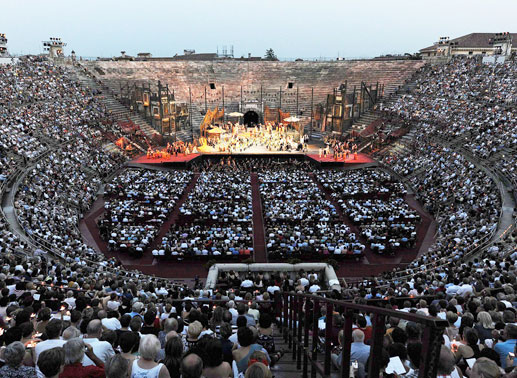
{"x": 485, "y": 368}
{"x": 358, "y": 336}
{"x": 71, "y": 333}
{"x": 94, "y": 328}
{"x": 191, "y": 366}
{"x": 446, "y": 362}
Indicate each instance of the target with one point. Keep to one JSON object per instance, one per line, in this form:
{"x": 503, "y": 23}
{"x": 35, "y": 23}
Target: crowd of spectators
{"x": 58, "y": 321}
{"x": 215, "y": 219}
{"x": 298, "y": 220}
{"x": 373, "y": 201}
{"x": 53, "y": 128}
{"x": 81, "y": 315}
{"x": 467, "y": 100}
{"x": 137, "y": 203}
{"x": 55, "y": 192}
{"x": 463, "y": 199}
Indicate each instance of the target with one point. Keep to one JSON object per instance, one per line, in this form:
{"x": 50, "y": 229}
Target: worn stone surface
{"x": 271, "y": 76}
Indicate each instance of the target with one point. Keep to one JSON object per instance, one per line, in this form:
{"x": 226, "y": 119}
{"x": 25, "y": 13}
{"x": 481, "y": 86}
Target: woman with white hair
{"x": 484, "y": 326}
{"x": 145, "y": 366}
{"x": 74, "y": 355}
{"x": 13, "y": 368}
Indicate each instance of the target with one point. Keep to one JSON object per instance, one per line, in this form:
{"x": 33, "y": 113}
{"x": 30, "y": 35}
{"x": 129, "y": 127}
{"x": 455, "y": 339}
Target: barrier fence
{"x": 298, "y": 325}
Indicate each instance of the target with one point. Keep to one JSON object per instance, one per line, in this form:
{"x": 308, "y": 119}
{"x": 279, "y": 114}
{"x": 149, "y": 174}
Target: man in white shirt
{"x": 70, "y": 300}
{"x": 304, "y": 281}
{"x": 271, "y": 289}
{"x": 253, "y": 311}
{"x": 53, "y": 330}
{"x": 247, "y": 283}
{"x": 110, "y": 321}
{"x": 231, "y": 308}
{"x": 101, "y": 349}
{"x": 452, "y": 288}
{"x": 113, "y": 302}
{"x": 465, "y": 289}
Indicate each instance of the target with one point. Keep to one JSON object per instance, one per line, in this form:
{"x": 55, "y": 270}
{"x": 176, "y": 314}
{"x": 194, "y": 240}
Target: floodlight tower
{"x": 502, "y": 44}
{"x": 3, "y": 46}
{"x": 54, "y": 46}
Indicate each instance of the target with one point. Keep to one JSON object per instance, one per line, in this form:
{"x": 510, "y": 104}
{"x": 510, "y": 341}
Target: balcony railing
{"x": 298, "y": 322}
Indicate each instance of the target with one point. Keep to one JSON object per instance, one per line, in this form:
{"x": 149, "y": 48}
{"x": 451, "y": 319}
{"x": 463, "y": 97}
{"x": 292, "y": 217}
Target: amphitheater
{"x": 400, "y": 246}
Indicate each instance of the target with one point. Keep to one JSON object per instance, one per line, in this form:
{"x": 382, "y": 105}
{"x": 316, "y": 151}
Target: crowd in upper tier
{"x": 80, "y": 314}
{"x": 59, "y": 127}
{"x": 468, "y": 102}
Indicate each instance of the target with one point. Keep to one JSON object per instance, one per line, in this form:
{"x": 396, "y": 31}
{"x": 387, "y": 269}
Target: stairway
{"x": 173, "y": 216}
{"x": 259, "y": 240}
{"x": 286, "y": 367}
{"x": 118, "y": 111}
{"x": 362, "y": 122}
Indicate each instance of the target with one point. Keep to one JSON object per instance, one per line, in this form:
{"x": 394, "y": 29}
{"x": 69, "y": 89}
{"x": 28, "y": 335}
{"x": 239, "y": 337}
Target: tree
{"x": 270, "y": 55}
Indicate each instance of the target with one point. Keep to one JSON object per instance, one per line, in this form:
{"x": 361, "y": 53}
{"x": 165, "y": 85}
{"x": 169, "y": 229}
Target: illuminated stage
{"x": 165, "y": 159}
{"x": 312, "y": 155}
{"x": 361, "y": 159}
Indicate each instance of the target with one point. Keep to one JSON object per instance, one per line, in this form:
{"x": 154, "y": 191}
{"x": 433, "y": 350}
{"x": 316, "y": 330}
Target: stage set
{"x": 260, "y": 141}
{"x": 181, "y": 159}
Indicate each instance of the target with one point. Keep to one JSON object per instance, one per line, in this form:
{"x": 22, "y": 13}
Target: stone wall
{"x": 271, "y": 77}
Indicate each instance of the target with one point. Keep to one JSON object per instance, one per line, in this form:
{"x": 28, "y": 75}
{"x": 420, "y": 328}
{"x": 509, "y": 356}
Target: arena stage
{"x": 313, "y": 155}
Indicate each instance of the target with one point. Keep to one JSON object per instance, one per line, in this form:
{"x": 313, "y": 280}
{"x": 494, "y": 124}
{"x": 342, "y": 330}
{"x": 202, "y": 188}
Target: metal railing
{"x": 298, "y": 323}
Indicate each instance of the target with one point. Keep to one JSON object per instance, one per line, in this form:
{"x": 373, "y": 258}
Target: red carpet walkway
{"x": 259, "y": 241}
{"x": 173, "y": 217}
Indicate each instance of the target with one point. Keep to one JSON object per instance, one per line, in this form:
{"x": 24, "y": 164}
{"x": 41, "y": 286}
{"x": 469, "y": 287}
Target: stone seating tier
{"x": 271, "y": 76}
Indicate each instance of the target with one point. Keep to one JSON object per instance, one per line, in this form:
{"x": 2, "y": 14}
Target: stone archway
{"x": 251, "y": 118}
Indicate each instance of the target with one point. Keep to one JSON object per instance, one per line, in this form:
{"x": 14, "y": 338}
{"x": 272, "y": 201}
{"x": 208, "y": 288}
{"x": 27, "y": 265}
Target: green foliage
{"x": 270, "y": 55}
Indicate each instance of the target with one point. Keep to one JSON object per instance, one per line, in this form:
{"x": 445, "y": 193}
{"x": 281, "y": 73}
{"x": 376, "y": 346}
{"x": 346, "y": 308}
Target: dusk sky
{"x": 293, "y": 28}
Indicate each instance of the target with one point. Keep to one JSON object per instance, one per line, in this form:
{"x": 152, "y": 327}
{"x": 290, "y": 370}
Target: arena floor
{"x": 371, "y": 264}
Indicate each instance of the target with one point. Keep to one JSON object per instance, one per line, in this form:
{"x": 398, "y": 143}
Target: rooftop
{"x": 472, "y": 40}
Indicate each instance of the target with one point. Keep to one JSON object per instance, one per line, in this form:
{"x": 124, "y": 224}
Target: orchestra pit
{"x": 254, "y": 218}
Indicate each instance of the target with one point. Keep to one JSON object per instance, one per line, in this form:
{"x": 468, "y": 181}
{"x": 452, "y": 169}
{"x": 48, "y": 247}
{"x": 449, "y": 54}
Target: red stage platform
{"x": 361, "y": 159}
{"x": 167, "y": 159}
{"x": 171, "y": 159}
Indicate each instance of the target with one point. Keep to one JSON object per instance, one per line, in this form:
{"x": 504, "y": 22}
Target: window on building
{"x": 471, "y": 52}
